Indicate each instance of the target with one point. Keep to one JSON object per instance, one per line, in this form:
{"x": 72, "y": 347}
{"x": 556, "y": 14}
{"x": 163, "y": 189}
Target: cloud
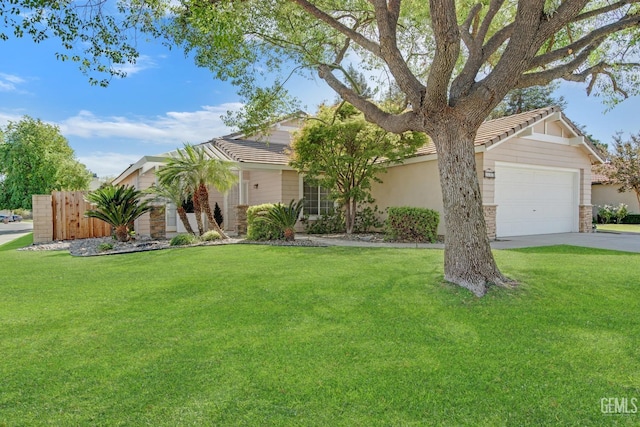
{"x": 10, "y": 82}
{"x": 108, "y": 164}
{"x": 143, "y": 62}
{"x": 173, "y": 128}
{"x": 5, "y": 118}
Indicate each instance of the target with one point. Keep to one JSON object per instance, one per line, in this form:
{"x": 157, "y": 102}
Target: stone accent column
{"x": 42, "y": 211}
{"x": 490, "y": 219}
{"x": 157, "y": 223}
{"x": 241, "y": 219}
{"x": 585, "y": 219}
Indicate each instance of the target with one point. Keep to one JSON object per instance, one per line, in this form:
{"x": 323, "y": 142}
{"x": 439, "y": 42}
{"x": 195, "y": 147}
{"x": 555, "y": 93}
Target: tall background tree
{"x": 454, "y": 62}
{"x": 36, "y": 159}
{"x": 340, "y": 151}
{"x": 526, "y": 99}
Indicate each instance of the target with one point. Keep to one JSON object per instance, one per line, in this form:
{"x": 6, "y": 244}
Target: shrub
{"x": 183, "y": 239}
{"x": 284, "y": 218}
{"x": 367, "y": 218}
{"x": 260, "y": 229}
{"x": 210, "y": 236}
{"x": 103, "y": 247}
{"x": 631, "y": 219}
{"x": 217, "y": 215}
{"x": 333, "y": 222}
{"x": 608, "y": 212}
{"x": 412, "y": 224}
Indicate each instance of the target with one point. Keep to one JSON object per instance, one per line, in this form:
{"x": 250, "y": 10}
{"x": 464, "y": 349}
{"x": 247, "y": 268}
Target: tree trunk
{"x": 185, "y": 220}
{"x": 203, "y": 196}
{"x": 468, "y": 261}
{"x": 122, "y": 233}
{"x": 197, "y": 209}
{"x": 349, "y": 215}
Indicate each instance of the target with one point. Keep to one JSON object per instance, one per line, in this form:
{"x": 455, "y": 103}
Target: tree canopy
{"x": 36, "y": 159}
{"x": 526, "y": 99}
{"x": 339, "y": 150}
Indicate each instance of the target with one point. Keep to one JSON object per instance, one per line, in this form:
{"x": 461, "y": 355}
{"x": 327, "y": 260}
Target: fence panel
{"x": 69, "y": 222}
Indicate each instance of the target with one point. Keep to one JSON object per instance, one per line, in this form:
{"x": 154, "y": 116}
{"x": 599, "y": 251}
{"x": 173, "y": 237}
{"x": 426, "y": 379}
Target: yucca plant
{"x": 118, "y": 206}
{"x": 284, "y": 218}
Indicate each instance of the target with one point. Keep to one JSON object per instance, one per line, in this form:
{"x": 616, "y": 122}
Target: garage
{"x": 535, "y": 200}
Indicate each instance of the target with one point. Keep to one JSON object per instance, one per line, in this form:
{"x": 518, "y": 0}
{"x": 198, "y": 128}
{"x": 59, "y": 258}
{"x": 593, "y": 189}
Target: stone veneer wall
{"x": 585, "y": 218}
{"x": 490, "y": 220}
{"x": 241, "y": 219}
{"x": 157, "y": 223}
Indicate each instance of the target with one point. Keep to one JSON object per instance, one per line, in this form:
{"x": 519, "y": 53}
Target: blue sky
{"x": 166, "y": 101}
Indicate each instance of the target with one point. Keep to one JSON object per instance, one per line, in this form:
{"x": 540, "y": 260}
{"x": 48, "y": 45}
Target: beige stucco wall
{"x": 269, "y": 187}
{"x": 607, "y": 194}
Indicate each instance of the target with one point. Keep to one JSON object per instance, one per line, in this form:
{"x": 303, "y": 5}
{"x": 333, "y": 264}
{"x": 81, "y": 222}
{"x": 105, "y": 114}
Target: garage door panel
{"x": 535, "y": 201}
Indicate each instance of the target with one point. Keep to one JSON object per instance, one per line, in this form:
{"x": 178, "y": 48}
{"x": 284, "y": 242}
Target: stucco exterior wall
{"x": 143, "y": 224}
{"x": 290, "y": 181}
{"x": 269, "y": 187}
{"x": 607, "y": 194}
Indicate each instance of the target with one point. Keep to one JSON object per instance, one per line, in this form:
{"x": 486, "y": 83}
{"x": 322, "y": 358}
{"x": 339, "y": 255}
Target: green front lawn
{"x": 622, "y": 228}
{"x": 264, "y": 336}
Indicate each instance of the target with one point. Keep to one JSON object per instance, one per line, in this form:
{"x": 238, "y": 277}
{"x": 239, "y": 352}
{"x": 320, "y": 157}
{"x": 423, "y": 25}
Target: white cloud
{"x": 10, "y": 82}
{"x": 5, "y": 118}
{"x": 108, "y": 164}
{"x": 143, "y": 62}
{"x": 173, "y": 128}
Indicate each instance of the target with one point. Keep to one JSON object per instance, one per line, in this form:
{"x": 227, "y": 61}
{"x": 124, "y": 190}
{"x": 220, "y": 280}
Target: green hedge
{"x": 261, "y": 230}
{"x": 631, "y": 219}
{"x": 412, "y": 224}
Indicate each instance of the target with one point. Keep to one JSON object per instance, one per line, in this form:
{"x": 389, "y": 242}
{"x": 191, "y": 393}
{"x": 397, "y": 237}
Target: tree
{"x": 454, "y": 62}
{"x": 118, "y": 206}
{"x": 36, "y": 159}
{"x": 526, "y": 99}
{"x": 339, "y": 150}
{"x": 177, "y": 192}
{"x": 195, "y": 167}
{"x": 624, "y": 164}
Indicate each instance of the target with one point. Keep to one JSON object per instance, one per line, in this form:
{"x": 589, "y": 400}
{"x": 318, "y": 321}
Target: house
{"x": 604, "y": 192}
{"x": 534, "y": 170}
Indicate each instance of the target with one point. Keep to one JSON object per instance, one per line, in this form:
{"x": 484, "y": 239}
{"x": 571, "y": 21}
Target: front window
{"x": 317, "y": 200}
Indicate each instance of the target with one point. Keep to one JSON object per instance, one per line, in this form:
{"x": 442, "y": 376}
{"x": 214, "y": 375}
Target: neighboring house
{"x": 534, "y": 170}
{"x": 604, "y": 192}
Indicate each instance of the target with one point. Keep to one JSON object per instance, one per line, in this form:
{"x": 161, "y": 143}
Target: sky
{"x": 166, "y": 101}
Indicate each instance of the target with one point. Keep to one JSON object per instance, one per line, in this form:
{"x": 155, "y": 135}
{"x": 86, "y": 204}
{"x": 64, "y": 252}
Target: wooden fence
{"x": 61, "y": 217}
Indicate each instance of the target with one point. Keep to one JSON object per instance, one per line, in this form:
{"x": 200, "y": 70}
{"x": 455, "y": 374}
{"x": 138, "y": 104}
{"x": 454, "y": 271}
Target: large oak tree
{"x": 452, "y": 61}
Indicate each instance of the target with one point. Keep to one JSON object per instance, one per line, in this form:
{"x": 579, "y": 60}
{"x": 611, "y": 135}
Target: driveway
{"x": 618, "y": 242}
{"x": 13, "y": 230}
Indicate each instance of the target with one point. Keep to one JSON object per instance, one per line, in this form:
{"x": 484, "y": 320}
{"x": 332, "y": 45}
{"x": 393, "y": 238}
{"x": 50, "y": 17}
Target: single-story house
{"x": 604, "y": 192}
{"x": 534, "y": 170}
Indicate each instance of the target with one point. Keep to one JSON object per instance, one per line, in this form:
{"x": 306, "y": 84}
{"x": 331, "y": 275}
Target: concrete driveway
{"x": 626, "y": 242}
{"x": 13, "y": 230}
{"x": 617, "y": 242}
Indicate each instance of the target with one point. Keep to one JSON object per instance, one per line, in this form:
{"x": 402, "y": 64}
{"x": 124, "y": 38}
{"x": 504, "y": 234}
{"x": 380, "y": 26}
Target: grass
{"x": 294, "y": 336}
{"x": 622, "y": 228}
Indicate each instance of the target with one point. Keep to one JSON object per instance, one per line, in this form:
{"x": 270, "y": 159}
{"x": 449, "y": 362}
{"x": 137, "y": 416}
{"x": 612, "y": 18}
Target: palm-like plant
{"x": 193, "y": 165}
{"x": 284, "y": 218}
{"x": 176, "y": 192}
{"x": 118, "y": 206}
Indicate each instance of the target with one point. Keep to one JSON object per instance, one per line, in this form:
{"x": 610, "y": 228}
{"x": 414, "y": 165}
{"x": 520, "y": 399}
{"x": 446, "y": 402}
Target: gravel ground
{"x": 91, "y": 247}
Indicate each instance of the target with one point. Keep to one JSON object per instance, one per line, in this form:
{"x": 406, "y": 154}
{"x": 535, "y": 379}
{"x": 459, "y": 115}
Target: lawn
{"x": 295, "y": 336}
{"x": 623, "y": 228}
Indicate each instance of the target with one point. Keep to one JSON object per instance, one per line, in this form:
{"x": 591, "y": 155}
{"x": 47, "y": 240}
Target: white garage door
{"x": 535, "y": 201}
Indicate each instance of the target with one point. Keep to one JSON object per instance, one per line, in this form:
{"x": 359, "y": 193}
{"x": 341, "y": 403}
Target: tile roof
{"x": 489, "y": 133}
{"x": 493, "y": 131}
{"x": 245, "y": 151}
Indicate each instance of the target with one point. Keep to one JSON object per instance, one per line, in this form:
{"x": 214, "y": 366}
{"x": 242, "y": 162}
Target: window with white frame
{"x": 317, "y": 200}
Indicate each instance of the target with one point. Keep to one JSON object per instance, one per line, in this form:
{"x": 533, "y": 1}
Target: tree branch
{"x": 395, "y": 123}
{"x": 366, "y": 43}
{"x": 447, "y": 40}
{"x": 603, "y": 10}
